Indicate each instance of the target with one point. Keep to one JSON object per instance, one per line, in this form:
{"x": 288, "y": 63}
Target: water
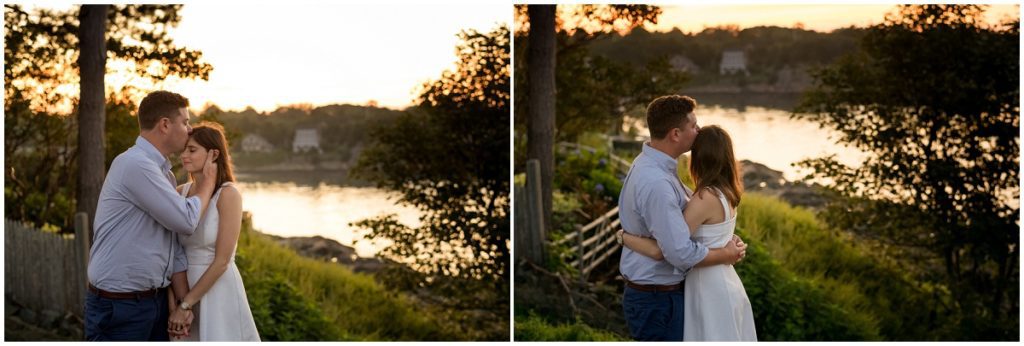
{"x": 770, "y": 137}
{"x": 290, "y": 209}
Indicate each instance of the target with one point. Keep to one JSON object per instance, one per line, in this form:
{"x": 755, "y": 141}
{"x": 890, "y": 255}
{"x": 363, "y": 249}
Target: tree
{"x": 933, "y": 96}
{"x": 449, "y": 157}
{"x": 541, "y": 58}
{"x": 41, "y": 64}
{"x": 92, "y": 63}
{"x": 568, "y": 90}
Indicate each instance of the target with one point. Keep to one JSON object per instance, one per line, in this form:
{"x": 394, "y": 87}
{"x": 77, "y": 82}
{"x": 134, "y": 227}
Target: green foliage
{"x": 449, "y": 158}
{"x": 769, "y": 49}
{"x": 788, "y": 307}
{"x": 298, "y": 298}
{"x": 593, "y": 91}
{"x": 589, "y": 173}
{"x": 534, "y": 328}
{"x": 282, "y": 313}
{"x": 40, "y": 126}
{"x": 852, "y": 275}
{"x": 342, "y": 127}
{"x": 934, "y": 97}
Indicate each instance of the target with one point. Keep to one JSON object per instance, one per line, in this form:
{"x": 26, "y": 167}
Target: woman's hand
{"x": 179, "y": 322}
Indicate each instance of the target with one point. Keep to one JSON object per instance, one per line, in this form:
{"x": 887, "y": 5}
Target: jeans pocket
{"x": 99, "y": 313}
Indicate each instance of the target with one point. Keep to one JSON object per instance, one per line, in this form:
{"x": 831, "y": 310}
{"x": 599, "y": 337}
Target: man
{"x": 651, "y": 205}
{"x": 136, "y": 251}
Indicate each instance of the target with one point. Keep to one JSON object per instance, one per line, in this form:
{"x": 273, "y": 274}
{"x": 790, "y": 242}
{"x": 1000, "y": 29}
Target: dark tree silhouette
{"x": 934, "y": 97}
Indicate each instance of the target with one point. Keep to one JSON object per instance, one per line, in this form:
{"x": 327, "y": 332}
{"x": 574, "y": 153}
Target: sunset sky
{"x": 691, "y": 18}
{"x": 268, "y": 55}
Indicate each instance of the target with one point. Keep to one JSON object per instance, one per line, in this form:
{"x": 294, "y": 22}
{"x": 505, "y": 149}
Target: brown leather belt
{"x": 123, "y": 295}
{"x": 654, "y": 288}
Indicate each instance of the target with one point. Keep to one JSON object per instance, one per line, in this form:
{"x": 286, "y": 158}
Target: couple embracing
{"x": 162, "y": 259}
{"x": 679, "y": 247}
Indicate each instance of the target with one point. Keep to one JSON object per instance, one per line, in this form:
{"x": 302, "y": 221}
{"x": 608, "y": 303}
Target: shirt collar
{"x": 663, "y": 160}
{"x": 153, "y": 153}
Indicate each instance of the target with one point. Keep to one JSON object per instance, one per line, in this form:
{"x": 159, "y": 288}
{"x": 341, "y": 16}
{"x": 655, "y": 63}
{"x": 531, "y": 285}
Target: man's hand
{"x": 179, "y": 323}
{"x": 735, "y": 250}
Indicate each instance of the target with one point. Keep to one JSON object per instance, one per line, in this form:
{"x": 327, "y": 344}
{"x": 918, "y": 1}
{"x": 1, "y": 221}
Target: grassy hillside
{"x": 534, "y": 328}
{"x": 298, "y": 298}
{"x": 805, "y": 282}
{"x": 849, "y": 273}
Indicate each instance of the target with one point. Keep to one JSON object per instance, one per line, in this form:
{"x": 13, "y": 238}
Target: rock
{"x": 10, "y": 307}
{"x": 321, "y": 248}
{"x": 332, "y": 251}
{"x": 759, "y": 177}
{"x": 28, "y": 316}
{"x": 72, "y": 325}
{"x": 50, "y": 319}
{"x": 762, "y": 179}
{"x": 803, "y": 195}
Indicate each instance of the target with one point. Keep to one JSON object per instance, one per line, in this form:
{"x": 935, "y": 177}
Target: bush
{"x": 847, "y": 272}
{"x": 790, "y": 308}
{"x": 534, "y": 328}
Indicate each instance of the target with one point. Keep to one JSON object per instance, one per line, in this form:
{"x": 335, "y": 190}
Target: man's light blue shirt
{"x": 138, "y": 220}
{"x": 651, "y": 205}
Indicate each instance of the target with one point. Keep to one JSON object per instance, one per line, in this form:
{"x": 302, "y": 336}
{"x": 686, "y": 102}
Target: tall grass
{"x": 534, "y": 328}
{"x": 354, "y": 305}
{"x": 849, "y": 273}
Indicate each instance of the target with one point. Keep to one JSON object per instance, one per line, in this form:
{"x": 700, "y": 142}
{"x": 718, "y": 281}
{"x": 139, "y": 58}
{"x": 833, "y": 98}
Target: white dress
{"x": 222, "y": 314}
{"x": 716, "y": 305}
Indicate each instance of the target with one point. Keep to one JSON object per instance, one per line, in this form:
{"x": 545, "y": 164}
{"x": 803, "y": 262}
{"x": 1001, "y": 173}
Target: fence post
{"x": 82, "y": 246}
{"x": 535, "y": 212}
{"x": 521, "y": 240}
{"x": 582, "y": 251}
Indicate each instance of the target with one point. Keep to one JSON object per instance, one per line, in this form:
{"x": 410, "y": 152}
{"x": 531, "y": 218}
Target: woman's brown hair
{"x": 713, "y": 164}
{"x": 210, "y": 136}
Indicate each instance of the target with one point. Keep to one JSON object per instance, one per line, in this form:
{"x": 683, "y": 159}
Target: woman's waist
{"x": 205, "y": 259}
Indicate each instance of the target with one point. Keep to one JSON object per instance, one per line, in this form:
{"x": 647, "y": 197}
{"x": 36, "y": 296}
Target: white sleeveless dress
{"x": 222, "y": 314}
{"x": 716, "y": 304}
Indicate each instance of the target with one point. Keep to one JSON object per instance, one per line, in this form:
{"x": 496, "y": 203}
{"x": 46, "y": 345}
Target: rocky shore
{"x": 330, "y": 250}
{"x": 762, "y": 179}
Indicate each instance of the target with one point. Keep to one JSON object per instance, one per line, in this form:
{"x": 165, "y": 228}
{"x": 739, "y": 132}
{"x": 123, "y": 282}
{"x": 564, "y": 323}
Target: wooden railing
{"x": 594, "y": 242}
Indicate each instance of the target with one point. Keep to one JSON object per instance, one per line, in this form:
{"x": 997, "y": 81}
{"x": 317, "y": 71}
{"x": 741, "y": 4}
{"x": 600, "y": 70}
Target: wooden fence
{"x": 46, "y": 270}
{"x": 593, "y": 243}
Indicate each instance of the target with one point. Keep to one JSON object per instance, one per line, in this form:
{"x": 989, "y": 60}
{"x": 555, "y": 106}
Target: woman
{"x": 716, "y": 304}
{"x": 216, "y": 294}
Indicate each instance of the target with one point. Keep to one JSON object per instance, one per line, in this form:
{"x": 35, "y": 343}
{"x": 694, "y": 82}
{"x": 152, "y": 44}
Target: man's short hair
{"x": 668, "y": 112}
{"x": 159, "y": 104}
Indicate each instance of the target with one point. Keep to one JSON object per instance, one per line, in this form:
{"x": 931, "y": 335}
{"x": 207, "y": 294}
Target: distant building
{"x": 682, "y": 63}
{"x": 306, "y": 140}
{"x": 256, "y": 143}
{"x": 733, "y": 61}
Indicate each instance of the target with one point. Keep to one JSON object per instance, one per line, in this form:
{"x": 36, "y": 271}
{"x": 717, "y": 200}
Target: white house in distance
{"x": 305, "y": 140}
{"x": 733, "y": 61}
{"x": 682, "y": 63}
{"x": 256, "y": 143}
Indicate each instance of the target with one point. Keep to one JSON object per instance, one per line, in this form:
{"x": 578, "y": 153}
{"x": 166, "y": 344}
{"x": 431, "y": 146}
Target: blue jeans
{"x": 143, "y": 319}
{"x": 654, "y": 316}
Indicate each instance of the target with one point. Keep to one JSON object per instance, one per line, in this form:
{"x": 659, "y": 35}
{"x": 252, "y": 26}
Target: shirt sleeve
{"x": 664, "y": 213}
{"x": 180, "y": 261}
{"x": 149, "y": 189}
